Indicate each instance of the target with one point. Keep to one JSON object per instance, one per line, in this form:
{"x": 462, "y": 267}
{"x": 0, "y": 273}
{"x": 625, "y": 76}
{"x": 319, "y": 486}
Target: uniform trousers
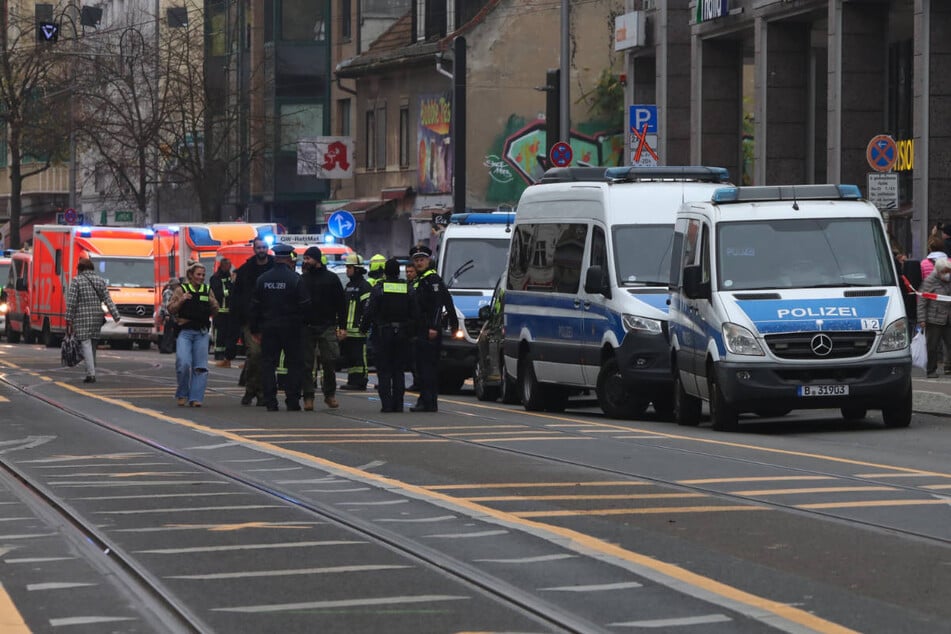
{"x": 392, "y": 346}
{"x": 226, "y": 336}
{"x": 286, "y": 339}
{"x": 354, "y": 351}
{"x": 320, "y": 347}
{"x": 252, "y": 364}
{"x": 427, "y": 370}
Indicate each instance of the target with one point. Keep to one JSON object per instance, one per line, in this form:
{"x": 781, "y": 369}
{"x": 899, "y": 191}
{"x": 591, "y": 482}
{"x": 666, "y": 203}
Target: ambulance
{"x": 786, "y": 298}
{"x": 6, "y": 264}
{"x": 175, "y": 245}
{"x": 17, "y": 297}
{"x": 122, "y": 256}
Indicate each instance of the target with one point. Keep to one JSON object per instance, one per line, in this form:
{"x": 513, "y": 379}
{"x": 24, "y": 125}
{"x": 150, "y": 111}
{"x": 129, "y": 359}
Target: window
{"x": 547, "y": 257}
{"x": 345, "y": 20}
{"x": 298, "y": 121}
{"x": 381, "y": 136}
{"x": 343, "y": 117}
{"x": 599, "y": 253}
{"x": 404, "y": 136}
{"x": 370, "y": 137}
{"x": 302, "y": 21}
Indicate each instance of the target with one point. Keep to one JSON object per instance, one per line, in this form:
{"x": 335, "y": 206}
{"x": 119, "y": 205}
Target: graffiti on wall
{"x": 517, "y": 157}
{"x": 435, "y": 150}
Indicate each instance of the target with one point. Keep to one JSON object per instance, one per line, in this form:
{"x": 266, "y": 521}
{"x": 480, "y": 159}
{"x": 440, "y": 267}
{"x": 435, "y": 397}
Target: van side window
{"x": 519, "y": 257}
{"x": 547, "y": 257}
{"x": 567, "y": 256}
{"x": 599, "y": 249}
{"x": 690, "y": 243}
{"x": 676, "y": 257}
{"x": 705, "y": 254}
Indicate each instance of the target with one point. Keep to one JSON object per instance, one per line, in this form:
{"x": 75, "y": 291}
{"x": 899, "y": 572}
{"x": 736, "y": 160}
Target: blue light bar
{"x": 149, "y": 234}
{"x": 84, "y": 230}
{"x": 269, "y": 239}
{"x": 475, "y": 218}
{"x": 725, "y": 195}
{"x": 328, "y": 239}
{"x": 850, "y": 192}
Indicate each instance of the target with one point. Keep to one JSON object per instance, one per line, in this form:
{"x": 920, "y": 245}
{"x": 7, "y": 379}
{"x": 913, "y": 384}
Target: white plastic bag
{"x": 919, "y": 351}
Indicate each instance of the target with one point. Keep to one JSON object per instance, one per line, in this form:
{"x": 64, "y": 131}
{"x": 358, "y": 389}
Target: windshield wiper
{"x": 467, "y": 265}
{"x": 645, "y": 283}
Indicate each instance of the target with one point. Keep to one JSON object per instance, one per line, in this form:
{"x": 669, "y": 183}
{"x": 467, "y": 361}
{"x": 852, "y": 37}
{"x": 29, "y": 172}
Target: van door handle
{"x": 587, "y": 305}
{"x": 577, "y": 303}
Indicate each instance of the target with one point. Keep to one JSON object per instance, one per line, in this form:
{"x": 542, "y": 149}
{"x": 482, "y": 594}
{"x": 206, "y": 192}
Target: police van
{"x": 782, "y": 298}
{"x": 470, "y": 257}
{"x": 587, "y": 285}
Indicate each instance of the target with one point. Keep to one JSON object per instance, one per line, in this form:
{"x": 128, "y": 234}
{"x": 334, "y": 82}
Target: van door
{"x": 597, "y": 318}
{"x": 690, "y": 328}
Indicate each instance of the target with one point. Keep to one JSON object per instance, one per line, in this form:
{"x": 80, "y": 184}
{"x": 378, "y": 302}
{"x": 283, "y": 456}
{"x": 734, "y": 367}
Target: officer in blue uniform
{"x": 391, "y": 312}
{"x": 278, "y": 306}
{"x": 432, "y": 302}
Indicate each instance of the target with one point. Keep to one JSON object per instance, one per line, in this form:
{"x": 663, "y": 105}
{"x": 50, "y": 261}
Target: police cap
{"x": 283, "y": 250}
{"x": 420, "y": 250}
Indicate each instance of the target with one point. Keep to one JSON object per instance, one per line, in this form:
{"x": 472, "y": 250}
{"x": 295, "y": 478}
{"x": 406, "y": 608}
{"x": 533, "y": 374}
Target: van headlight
{"x": 3, "y": 308}
{"x": 641, "y": 324}
{"x": 895, "y": 336}
{"x": 739, "y": 340}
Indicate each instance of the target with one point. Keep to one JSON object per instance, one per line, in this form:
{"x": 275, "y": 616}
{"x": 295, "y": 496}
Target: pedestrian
{"x": 324, "y": 323}
{"x": 85, "y": 297}
{"x": 410, "y": 272}
{"x": 353, "y": 346}
{"x": 432, "y": 302}
{"x": 945, "y": 235}
{"x": 934, "y": 315}
{"x": 392, "y": 313}
{"x": 935, "y": 252}
{"x": 278, "y": 306}
{"x": 193, "y": 306}
{"x": 164, "y": 320}
{"x": 226, "y": 336}
{"x": 245, "y": 282}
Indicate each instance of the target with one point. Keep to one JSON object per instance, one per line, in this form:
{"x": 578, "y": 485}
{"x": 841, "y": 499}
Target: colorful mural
{"x": 435, "y": 149}
{"x": 517, "y": 157}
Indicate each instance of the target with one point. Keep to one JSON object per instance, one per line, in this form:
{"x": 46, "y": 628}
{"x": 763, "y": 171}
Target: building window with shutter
{"x": 381, "y": 136}
{"x": 370, "y": 137}
{"x": 404, "y": 136}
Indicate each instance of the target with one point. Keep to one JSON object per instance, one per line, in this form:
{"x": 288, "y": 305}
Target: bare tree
{"x": 33, "y": 101}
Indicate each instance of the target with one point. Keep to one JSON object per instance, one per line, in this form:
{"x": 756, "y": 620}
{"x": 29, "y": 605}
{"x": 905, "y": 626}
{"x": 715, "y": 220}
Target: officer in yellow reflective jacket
{"x": 226, "y": 333}
{"x": 353, "y": 346}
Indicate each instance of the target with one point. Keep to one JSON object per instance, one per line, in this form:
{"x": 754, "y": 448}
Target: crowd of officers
{"x": 295, "y": 327}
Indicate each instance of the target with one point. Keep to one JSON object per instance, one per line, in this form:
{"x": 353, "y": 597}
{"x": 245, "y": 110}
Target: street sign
{"x": 641, "y": 115}
{"x": 642, "y": 153}
{"x": 341, "y": 224}
{"x": 70, "y": 216}
{"x": 881, "y": 153}
{"x": 77, "y": 219}
{"x": 883, "y": 190}
{"x": 561, "y": 154}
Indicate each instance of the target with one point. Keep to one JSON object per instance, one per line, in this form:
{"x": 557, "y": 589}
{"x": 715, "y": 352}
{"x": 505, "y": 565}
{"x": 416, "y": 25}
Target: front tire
{"x": 528, "y": 386}
{"x": 686, "y": 408}
{"x": 724, "y": 416}
{"x": 614, "y": 398}
{"x": 898, "y": 414}
{"x": 508, "y": 388}
{"x": 483, "y": 392}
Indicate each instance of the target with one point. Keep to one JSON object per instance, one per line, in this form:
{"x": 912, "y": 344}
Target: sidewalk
{"x": 931, "y": 396}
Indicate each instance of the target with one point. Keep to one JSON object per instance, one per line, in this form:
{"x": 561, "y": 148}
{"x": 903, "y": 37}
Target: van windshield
{"x": 475, "y": 263}
{"x": 126, "y": 272}
{"x": 642, "y": 254}
{"x": 802, "y": 253}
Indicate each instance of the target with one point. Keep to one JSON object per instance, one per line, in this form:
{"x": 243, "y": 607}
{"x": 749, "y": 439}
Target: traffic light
{"x": 46, "y": 29}
{"x": 552, "y": 108}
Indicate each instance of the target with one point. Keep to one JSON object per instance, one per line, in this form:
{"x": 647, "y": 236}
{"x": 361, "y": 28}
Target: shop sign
{"x": 712, "y": 9}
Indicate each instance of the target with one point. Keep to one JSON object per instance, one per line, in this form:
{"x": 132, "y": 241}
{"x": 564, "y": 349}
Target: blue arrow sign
{"x": 341, "y": 224}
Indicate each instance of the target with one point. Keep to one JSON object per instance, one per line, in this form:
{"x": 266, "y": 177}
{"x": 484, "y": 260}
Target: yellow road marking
{"x": 354, "y": 442}
{"x": 571, "y": 537}
{"x": 382, "y": 434}
{"x": 529, "y": 485}
{"x": 812, "y": 490}
{"x": 846, "y": 505}
{"x": 526, "y": 438}
{"x": 923, "y": 474}
{"x": 10, "y": 620}
{"x": 757, "y": 479}
{"x": 637, "y": 496}
{"x": 238, "y": 527}
{"x": 4, "y": 399}
{"x": 936, "y": 486}
{"x": 654, "y": 510}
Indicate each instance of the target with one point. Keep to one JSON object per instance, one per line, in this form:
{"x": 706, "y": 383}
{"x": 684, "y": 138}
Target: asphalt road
{"x": 482, "y": 517}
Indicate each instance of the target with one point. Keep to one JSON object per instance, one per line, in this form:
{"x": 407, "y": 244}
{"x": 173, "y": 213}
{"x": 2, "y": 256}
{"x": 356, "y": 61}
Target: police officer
{"x": 392, "y": 312}
{"x": 226, "y": 338}
{"x": 244, "y": 284}
{"x": 278, "y": 306}
{"x": 353, "y": 347}
{"x": 326, "y": 320}
{"x": 432, "y": 298}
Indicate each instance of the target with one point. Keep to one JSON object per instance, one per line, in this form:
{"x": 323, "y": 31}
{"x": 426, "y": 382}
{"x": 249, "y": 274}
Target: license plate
{"x": 140, "y": 331}
{"x": 823, "y": 390}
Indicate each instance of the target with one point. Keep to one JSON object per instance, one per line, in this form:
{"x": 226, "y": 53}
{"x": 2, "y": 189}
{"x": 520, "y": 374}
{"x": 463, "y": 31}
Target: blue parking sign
{"x": 641, "y": 115}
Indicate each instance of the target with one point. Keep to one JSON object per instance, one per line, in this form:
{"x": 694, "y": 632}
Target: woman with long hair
{"x": 193, "y": 305}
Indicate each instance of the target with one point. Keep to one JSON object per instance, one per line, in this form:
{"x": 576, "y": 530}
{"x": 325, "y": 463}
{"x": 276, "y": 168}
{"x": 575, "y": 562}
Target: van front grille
{"x": 821, "y": 345}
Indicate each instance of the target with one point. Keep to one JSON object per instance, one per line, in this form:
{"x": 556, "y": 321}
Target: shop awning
{"x": 359, "y": 207}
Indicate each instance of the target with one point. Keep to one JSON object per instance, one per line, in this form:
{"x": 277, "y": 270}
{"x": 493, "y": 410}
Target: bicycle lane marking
{"x": 773, "y": 613}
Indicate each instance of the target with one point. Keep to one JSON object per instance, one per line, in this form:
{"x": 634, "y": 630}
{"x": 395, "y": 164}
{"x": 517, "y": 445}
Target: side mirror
{"x": 596, "y": 281}
{"x": 694, "y": 288}
{"x": 485, "y": 312}
{"x": 21, "y": 284}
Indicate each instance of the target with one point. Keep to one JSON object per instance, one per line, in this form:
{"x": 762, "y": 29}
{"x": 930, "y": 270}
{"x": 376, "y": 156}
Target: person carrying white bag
{"x": 934, "y": 315}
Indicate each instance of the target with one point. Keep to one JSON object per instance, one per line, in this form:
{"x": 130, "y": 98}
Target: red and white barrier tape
{"x": 932, "y": 296}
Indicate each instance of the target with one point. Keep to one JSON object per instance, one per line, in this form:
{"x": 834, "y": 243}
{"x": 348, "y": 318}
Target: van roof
{"x": 631, "y": 174}
{"x": 786, "y": 209}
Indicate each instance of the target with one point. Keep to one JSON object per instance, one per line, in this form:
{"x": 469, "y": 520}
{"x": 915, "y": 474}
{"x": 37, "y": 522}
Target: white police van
{"x": 782, "y": 298}
{"x": 470, "y": 257}
{"x": 587, "y": 285}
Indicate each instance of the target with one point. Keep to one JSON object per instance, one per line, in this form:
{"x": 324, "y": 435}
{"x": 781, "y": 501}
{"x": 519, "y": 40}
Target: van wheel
{"x": 483, "y": 392}
{"x": 12, "y": 336}
{"x": 723, "y": 415}
{"x": 686, "y": 407}
{"x": 898, "y": 414}
{"x": 28, "y": 335}
{"x": 532, "y": 397}
{"x": 615, "y": 399}
{"x": 853, "y": 413}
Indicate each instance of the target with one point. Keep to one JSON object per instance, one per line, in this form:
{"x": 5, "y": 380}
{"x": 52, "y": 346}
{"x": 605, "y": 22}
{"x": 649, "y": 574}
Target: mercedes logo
{"x": 141, "y": 310}
{"x": 821, "y": 345}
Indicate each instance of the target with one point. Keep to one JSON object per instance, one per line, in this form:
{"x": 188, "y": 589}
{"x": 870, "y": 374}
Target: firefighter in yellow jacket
{"x": 353, "y": 347}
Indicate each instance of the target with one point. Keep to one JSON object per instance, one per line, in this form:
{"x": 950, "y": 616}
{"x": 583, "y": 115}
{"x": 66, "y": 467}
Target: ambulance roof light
{"x": 328, "y": 238}
{"x": 269, "y": 239}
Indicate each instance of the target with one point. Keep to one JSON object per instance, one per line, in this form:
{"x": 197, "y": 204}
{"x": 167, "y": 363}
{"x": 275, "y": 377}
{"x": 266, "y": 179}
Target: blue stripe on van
{"x": 469, "y": 305}
{"x": 654, "y": 300}
{"x": 835, "y": 313}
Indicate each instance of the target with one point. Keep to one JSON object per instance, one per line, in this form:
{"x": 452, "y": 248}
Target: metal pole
{"x": 565, "y": 119}
{"x": 155, "y": 150}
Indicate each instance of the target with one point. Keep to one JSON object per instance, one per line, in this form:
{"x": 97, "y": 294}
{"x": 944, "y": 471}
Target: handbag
{"x": 919, "y": 351}
{"x": 99, "y": 295}
{"x": 71, "y": 351}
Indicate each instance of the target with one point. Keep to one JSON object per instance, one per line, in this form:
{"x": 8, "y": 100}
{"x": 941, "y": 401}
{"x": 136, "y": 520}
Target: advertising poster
{"x": 435, "y": 150}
